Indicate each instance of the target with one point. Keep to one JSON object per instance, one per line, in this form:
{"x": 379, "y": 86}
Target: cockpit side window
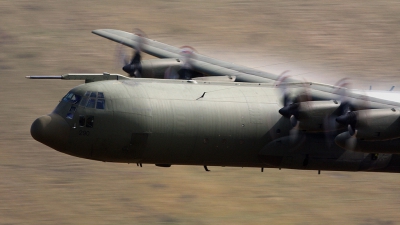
{"x": 67, "y": 97}
{"x": 71, "y": 97}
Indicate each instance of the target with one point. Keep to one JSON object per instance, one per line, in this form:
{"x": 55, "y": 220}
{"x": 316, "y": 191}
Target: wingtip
{"x": 99, "y": 31}
{"x": 96, "y": 31}
{"x": 109, "y": 31}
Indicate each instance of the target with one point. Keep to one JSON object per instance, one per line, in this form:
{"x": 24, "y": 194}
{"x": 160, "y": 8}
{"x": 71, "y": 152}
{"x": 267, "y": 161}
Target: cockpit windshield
{"x": 94, "y": 100}
{"x": 71, "y": 97}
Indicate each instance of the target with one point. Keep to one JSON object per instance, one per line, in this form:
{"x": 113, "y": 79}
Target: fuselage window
{"x": 100, "y": 104}
{"x": 82, "y": 121}
{"x": 89, "y": 121}
{"x": 91, "y": 103}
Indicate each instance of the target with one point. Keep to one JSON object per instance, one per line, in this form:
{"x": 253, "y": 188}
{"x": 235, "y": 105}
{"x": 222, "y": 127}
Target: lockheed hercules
{"x": 184, "y": 108}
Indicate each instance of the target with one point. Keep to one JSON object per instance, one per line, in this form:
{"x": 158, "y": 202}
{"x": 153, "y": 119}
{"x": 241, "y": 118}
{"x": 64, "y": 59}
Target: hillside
{"x": 318, "y": 40}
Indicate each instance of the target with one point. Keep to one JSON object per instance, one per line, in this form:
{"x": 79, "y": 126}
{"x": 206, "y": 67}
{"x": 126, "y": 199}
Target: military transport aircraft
{"x": 188, "y": 109}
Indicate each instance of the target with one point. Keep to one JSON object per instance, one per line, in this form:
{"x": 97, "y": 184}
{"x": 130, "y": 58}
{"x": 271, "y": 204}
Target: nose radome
{"x": 51, "y": 130}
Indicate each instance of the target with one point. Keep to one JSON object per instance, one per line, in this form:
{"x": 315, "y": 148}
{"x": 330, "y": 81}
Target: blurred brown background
{"x": 319, "y": 40}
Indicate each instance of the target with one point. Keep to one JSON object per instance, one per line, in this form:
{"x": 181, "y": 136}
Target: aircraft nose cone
{"x": 51, "y": 130}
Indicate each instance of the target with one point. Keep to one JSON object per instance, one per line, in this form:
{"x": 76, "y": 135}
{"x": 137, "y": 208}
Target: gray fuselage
{"x": 190, "y": 123}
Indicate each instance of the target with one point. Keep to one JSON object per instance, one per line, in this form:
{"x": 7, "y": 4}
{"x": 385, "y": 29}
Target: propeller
{"x": 291, "y": 100}
{"x": 343, "y": 85}
{"x": 133, "y": 65}
{"x": 331, "y": 126}
{"x": 297, "y": 100}
{"x": 348, "y": 117}
{"x": 294, "y": 101}
{"x": 187, "y": 72}
{"x": 171, "y": 73}
{"x": 281, "y": 84}
{"x": 291, "y": 104}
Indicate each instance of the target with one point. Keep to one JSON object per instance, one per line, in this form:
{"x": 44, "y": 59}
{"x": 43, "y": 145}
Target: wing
{"x": 215, "y": 67}
{"x": 201, "y": 63}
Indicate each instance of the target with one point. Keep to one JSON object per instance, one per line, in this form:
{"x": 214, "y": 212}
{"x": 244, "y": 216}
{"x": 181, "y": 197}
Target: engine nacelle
{"x": 377, "y": 124}
{"x": 313, "y": 115}
{"x": 155, "y": 68}
{"x": 376, "y": 131}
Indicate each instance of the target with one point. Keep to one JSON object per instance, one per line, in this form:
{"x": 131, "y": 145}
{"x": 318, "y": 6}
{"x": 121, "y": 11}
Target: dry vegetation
{"x": 319, "y": 39}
